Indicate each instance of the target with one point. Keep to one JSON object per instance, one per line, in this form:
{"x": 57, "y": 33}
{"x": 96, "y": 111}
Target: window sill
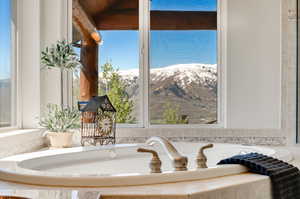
{"x": 12, "y": 131}
{"x": 8, "y": 129}
{"x": 15, "y": 141}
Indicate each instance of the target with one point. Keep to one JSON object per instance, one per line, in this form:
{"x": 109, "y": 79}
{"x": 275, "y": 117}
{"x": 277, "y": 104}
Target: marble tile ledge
{"x": 263, "y": 141}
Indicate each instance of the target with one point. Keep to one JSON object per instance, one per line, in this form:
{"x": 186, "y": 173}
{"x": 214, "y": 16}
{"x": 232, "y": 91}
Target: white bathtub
{"x": 118, "y": 165}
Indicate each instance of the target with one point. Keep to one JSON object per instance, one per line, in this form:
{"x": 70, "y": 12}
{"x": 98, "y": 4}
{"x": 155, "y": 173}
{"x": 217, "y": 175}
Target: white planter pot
{"x": 60, "y": 139}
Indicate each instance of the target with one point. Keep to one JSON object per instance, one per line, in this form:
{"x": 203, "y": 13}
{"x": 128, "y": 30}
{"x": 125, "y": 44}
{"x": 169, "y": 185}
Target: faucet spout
{"x": 179, "y": 161}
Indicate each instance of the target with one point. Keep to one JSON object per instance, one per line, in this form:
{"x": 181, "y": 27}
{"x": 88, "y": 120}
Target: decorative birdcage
{"x": 98, "y": 121}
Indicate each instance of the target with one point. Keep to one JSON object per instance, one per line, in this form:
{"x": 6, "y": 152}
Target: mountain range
{"x": 192, "y": 88}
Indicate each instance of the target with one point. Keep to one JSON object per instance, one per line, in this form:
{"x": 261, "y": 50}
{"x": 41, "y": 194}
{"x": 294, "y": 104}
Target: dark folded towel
{"x": 285, "y": 178}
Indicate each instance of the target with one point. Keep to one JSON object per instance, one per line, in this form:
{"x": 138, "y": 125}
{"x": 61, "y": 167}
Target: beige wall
{"x": 253, "y": 64}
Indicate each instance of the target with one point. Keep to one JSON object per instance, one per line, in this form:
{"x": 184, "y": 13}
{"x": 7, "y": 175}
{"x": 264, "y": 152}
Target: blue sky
{"x": 166, "y": 47}
{"x": 5, "y": 40}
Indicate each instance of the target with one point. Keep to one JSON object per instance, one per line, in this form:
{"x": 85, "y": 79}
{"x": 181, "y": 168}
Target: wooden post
{"x": 89, "y": 71}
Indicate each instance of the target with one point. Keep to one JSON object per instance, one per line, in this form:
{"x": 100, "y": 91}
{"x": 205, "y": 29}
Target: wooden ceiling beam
{"x": 127, "y": 19}
{"x": 126, "y": 4}
{"x": 94, "y": 7}
{"x": 84, "y": 23}
{"x": 183, "y": 20}
{"x": 118, "y": 20}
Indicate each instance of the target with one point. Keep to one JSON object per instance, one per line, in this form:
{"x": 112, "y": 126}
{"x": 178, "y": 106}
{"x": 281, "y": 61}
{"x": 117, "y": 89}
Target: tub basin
{"x": 119, "y": 165}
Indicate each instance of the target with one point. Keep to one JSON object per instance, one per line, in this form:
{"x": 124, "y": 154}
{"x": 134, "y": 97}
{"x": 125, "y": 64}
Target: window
{"x": 118, "y": 66}
{"x": 165, "y": 69}
{"x": 6, "y": 69}
{"x": 183, "y": 70}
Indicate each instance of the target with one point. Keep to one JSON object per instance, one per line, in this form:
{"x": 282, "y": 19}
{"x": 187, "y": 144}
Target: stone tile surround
{"x": 266, "y": 141}
{"x": 142, "y": 136}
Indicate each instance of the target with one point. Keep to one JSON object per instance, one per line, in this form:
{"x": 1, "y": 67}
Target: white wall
{"x": 39, "y": 24}
{"x": 253, "y": 64}
{"x": 54, "y": 27}
{"x": 28, "y": 21}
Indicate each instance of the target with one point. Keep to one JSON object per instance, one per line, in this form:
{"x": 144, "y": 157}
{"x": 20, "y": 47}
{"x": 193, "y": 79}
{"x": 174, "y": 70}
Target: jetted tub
{"x": 119, "y": 165}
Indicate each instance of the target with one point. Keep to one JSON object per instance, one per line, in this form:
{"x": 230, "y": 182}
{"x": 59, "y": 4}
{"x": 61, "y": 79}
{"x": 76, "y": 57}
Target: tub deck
{"x": 246, "y": 186}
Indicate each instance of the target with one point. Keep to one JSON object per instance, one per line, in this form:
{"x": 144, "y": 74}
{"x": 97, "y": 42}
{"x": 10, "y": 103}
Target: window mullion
{"x": 144, "y": 61}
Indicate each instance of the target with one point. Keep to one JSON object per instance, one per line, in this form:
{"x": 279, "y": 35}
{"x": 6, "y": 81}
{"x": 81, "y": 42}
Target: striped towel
{"x": 285, "y": 178}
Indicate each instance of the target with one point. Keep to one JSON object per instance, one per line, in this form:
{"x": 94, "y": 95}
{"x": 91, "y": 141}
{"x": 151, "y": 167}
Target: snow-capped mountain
{"x": 192, "y": 87}
{"x": 183, "y": 74}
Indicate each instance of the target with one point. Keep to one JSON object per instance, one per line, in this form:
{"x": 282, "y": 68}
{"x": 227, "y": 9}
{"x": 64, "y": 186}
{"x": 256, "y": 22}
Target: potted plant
{"x": 60, "y": 122}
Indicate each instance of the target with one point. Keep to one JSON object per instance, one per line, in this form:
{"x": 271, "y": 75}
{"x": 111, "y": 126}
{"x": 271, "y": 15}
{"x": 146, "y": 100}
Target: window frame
{"x": 144, "y": 71}
{"x": 144, "y": 17}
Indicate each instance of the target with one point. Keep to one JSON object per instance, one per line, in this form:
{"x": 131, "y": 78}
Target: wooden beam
{"x": 126, "y": 4}
{"x": 118, "y": 20}
{"x": 84, "y": 23}
{"x": 183, "y": 20}
{"x": 94, "y": 7}
{"x": 160, "y": 20}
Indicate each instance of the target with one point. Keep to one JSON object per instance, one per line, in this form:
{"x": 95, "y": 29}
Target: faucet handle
{"x": 155, "y": 164}
{"x": 201, "y": 157}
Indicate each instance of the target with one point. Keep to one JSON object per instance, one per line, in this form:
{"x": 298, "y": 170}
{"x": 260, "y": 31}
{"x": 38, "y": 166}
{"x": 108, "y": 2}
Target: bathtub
{"x": 119, "y": 165}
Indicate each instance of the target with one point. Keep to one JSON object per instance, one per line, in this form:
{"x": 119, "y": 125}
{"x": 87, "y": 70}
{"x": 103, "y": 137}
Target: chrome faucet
{"x": 179, "y": 161}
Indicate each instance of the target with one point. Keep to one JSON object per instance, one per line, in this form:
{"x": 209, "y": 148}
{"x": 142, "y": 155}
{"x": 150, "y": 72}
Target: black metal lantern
{"x": 98, "y": 121}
